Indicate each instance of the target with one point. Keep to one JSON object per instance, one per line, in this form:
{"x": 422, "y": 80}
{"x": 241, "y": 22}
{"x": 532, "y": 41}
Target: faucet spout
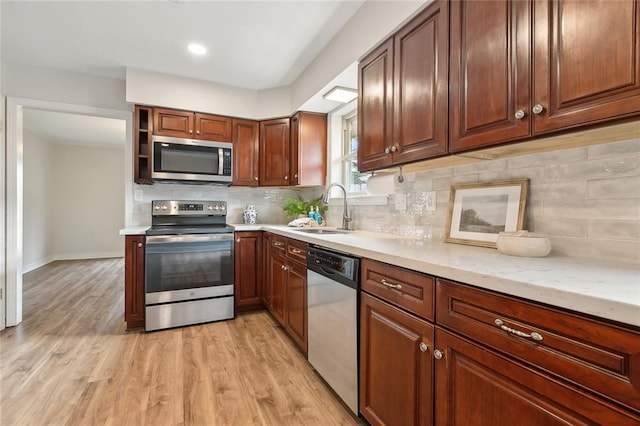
{"x": 345, "y": 214}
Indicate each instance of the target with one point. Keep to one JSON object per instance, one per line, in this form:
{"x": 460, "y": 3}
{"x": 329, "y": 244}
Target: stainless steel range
{"x": 189, "y": 267}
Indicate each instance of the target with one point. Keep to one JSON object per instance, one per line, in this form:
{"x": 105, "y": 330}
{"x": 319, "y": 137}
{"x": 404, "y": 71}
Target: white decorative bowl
{"x": 523, "y": 243}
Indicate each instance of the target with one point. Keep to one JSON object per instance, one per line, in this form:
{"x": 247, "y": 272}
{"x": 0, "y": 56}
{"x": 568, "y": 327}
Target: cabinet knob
{"x": 423, "y": 347}
{"x": 295, "y": 176}
{"x": 238, "y": 240}
{"x": 519, "y": 114}
{"x": 255, "y": 178}
{"x": 537, "y": 109}
{"x": 394, "y": 148}
{"x": 387, "y": 150}
{"x": 140, "y": 245}
{"x": 286, "y": 177}
{"x": 190, "y": 131}
{"x": 197, "y": 132}
{"x": 437, "y": 354}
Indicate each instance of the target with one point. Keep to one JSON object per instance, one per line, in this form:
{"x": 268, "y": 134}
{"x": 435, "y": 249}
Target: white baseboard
{"x": 37, "y": 264}
{"x": 71, "y": 256}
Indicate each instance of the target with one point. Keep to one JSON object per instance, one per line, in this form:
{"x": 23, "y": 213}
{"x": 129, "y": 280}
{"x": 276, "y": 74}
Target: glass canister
{"x": 250, "y": 215}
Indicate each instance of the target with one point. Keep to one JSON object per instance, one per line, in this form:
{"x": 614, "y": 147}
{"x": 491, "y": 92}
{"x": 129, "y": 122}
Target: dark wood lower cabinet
{"x": 396, "y": 365}
{"x": 477, "y": 386}
{"x": 277, "y": 277}
{"x": 248, "y": 271}
{"x": 296, "y": 315}
{"x": 134, "y": 281}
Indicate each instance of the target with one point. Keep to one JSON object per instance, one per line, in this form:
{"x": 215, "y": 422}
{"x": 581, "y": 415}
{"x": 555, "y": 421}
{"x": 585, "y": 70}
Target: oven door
{"x": 188, "y": 267}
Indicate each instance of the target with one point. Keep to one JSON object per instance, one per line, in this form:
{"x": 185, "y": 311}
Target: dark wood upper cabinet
{"x": 245, "y": 152}
{"x": 375, "y": 108}
{"x": 213, "y": 127}
{"x": 490, "y": 72}
{"x": 308, "y": 148}
{"x": 587, "y": 62}
{"x": 421, "y": 67}
{"x": 274, "y": 152}
{"x": 143, "y": 123}
{"x": 186, "y": 124}
{"x": 402, "y": 99}
{"x": 521, "y": 68}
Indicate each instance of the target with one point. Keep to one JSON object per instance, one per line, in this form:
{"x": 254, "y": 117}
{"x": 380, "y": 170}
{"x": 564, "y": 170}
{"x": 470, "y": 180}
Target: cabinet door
{"x": 171, "y": 122}
{"x": 308, "y": 148}
{"x": 587, "y": 62}
{"x": 213, "y": 127}
{"x": 267, "y": 292}
{"x": 296, "y": 318}
{"x": 274, "y": 152}
{"x": 134, "y": 281}
{"x": 490, "y": 73}
{"x": 421, "y": 86}
{"x": 248, "y": 263}
{"x": 476, "y": 386}
{"x": 396, "y": 376}
{"x": 245, "y": 152}
{"x": 375, "y": 108}
{"x": 278, "y": 278}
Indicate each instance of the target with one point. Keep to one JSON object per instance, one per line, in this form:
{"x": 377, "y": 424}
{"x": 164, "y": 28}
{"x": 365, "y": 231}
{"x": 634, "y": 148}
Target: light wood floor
{"x": 71, "y": 362}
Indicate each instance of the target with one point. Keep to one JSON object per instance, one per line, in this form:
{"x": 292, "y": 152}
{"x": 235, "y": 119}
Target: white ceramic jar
{"x": 250, "y": 215}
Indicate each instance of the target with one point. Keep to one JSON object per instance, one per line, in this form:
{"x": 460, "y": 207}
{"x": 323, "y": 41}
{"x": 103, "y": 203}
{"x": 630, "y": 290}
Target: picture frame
{"x": 478, "y": 212}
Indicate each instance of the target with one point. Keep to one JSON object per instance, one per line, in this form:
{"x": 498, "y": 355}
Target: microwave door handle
{"x": 220, "y": 161}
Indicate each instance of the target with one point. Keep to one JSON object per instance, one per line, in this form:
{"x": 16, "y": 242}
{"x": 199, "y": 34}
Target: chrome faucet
{"x": 345, "y": 214}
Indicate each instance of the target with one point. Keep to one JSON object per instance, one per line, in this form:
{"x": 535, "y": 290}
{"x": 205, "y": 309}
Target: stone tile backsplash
{"x": 267, "y": 201}
{"x": 587, "y": 200}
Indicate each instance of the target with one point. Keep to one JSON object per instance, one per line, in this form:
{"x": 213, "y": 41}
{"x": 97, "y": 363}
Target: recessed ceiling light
{"x": 341, "y": 94}
{"x": 197, "y": 49}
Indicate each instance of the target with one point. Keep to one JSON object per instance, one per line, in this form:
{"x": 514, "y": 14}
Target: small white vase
{"x": 250, "y": 215}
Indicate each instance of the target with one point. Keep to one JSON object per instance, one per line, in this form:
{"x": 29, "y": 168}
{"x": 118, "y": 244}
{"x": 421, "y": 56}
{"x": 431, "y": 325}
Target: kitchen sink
{"x": 321, "y": 231}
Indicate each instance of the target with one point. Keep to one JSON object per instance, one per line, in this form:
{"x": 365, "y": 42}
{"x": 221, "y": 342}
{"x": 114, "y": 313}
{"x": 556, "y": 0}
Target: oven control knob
{"x": 209, "y": 207}
{"x": 222, "y": 207}
{"x": 164, "y": 207}
{"x": 157, "y": 207}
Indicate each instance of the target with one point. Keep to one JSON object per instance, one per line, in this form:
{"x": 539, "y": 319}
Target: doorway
{"x": 15, "y": 187}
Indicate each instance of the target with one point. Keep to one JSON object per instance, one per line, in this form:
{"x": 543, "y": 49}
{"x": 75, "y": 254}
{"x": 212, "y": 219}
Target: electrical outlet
{"x": 430, "y": 201}
{"x": 401, "y": 201}
{"x": 138, "y": 195}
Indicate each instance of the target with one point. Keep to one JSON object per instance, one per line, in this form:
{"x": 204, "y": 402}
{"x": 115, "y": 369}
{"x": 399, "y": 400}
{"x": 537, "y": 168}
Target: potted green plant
{"x": 294, "y": 207}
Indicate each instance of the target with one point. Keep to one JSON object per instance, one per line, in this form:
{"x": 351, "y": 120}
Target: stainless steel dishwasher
{"x": 332, "y": 298}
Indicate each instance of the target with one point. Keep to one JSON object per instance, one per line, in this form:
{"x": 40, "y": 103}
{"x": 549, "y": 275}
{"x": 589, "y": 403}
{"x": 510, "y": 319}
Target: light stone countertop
{"x": 605, "y": 289}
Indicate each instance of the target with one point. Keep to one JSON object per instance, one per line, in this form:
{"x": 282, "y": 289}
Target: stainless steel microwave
{"x": 194, "y": 160}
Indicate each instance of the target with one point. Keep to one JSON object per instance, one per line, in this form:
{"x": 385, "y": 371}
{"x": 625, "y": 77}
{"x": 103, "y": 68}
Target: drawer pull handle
{"x": 296, "y": 251}
{"x": 389, "y": 285}
{"x": 534, "y": 335}
{"x": 278, "y": 244}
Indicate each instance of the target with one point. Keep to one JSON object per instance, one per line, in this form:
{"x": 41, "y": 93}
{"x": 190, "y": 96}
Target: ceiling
{"x": 251, "y": 44}
{"x": 75, "y": 129}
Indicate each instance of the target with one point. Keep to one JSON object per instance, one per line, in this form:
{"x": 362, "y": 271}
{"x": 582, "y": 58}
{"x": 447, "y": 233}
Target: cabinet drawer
{"x": 601, "y": 357}
{"x": 278, "y": 244}
{"x": 407, "y": 289}
{"x": 297, "y": 250}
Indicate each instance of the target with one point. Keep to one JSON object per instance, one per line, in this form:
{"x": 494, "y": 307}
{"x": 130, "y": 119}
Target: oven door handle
{"x": 188, "y": 238}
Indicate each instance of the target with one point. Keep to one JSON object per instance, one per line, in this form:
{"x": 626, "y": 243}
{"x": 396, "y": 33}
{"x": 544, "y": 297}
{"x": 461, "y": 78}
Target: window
{"x": 352, "y": 178}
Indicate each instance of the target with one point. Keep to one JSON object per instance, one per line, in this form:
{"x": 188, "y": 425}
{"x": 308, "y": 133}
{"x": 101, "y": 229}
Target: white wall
{"x": 88, "y": 202}
{"x": 26, "y": 81}
{"x": 37, "y": 222}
